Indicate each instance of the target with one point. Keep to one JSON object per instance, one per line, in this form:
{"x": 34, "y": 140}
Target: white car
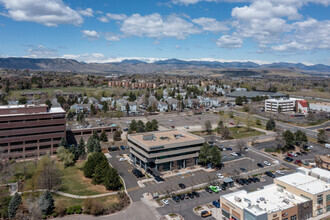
{"x": 248, "y": 149}
{"x": 310, "y": 147}
{"x": 122, "y": 159}
{"x": 220, "y": 176}
{"x": 267, "y": 163}
{"x": 234, "y": 154}
{"x": 165, "y": 202}
{"x": 170, "y": 120}
{"x": 279, "y": 172}
{"x": 186, "y": 127}
{"x": 294, "y": 154}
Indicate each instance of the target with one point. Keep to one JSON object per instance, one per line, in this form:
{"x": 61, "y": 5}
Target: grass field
{"x": 314, "y": 93}
{"x": 242, "y": 132}
{"x": 74, "y": 182}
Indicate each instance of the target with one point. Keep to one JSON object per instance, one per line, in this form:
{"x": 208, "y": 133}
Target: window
{"x": 320, "y": 200}
{"x": 320, "y": 211}
{"x": 328, "y": 198}
{"x": 328, "y": 208}
{"x": 294, "y": 217}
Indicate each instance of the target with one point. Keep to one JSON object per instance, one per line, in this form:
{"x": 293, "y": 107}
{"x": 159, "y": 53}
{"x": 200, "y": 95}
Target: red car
{"x": 297, "y": 161}
{"x": 290, "y": 155}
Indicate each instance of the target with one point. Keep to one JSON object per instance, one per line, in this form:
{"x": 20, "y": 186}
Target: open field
{"x": 311, "y": 93}
{"x": 242, "y": 132}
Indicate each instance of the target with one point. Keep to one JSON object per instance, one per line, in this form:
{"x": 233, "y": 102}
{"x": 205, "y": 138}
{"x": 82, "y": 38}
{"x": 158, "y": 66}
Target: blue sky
{"x": 111, "y": 30}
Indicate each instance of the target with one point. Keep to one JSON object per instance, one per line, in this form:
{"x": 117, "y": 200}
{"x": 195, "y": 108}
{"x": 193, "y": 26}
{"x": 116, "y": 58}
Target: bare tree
{"x": 48, "y": 174}
{"x": 240, "y": 144}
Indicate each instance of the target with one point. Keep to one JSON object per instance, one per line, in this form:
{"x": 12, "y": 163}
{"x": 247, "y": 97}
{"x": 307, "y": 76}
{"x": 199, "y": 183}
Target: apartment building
{"x": 30, "y": 130}
{"x": 270, "y": 203}
{"x": 286, "y": 105}
{"x": 312, "y": 184}
{"x": 164, "y": 150}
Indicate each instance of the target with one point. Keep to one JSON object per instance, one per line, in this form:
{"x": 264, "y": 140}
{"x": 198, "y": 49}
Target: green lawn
{"x": 74, "y": 182}
{"x": 242, "y": 132}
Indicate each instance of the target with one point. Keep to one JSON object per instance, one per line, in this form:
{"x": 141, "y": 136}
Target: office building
{"x": 30, "y": 130}
{"x": 164, "y": 150}
{"x": 312, "y": 184}
{"x": 286, "y": 105}
{"x": 271, "y": 202}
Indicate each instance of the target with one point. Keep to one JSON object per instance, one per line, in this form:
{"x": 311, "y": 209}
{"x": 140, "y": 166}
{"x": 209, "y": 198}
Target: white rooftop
{"x": 306, "y": 183}
{"x": 19, "y": 106}
{"x": 268, "y": 200}
{"x": 56, "y": 110}
{"x": 283, "y": 100}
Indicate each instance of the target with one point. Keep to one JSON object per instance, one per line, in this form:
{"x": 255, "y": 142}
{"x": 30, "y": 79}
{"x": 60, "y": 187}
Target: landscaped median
{"x": 172, "y": 216}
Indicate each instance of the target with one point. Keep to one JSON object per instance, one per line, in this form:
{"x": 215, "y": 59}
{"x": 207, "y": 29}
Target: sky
{"x": 262, "y": 31}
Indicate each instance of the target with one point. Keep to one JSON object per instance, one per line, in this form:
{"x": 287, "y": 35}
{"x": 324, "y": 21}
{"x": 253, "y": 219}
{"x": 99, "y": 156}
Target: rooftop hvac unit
{"x": 291, "y": 196}
{"x": 280, "y": 189}
{"x": 262, "y": 198}
{"x": 286, "y": 201}
{"x": 237, "y": 199}
{"x": 149, "y": 137}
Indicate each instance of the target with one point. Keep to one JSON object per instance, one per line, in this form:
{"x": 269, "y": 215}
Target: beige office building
{"x": 312, "y": 184}
{"x": 164, "y": 150}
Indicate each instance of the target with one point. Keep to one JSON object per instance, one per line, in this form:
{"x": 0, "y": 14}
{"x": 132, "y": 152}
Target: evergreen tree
{"x": 93, "y": 160}
{"x": 15, "y": 201}
{"x": 95, "y": 135}
{"x": 239, "y": 100}
{"x": 289, "y": 138}
{"x": 204, "y": 154}
{"x": 271, "y": 125}
{"x": 140, "y": 127}
{"x": 149, "y": 126}
{"x": 112, "y": 180}
{"x": 90, "y": 145}
{"x": 46, "y": 203}
{"x": 215, "y": 156}
{"x": 81, "y": 147}
{"x": 133, "y": 126}
{"x": 100, "y": 172}
{"x": 322, "y": 136}
{"x": 300, "y": 137}
{"x": 103, "y": 136}
{"x": 97, "y": 146}
{"x": 75, "y": 151}
{"x": 117, "y": 136}
{"x": 63, "y": 143}
{"x": 154, "y": 123}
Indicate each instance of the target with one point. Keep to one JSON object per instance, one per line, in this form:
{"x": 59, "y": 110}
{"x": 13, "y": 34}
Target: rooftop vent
{"x": 149, "y": 137}
{"x": 286, "y": 201}
{"x": 280, "y": 189}
{"x": 238, "y": 199}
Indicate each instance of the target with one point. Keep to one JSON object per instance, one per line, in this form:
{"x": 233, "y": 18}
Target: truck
{"x": 327, "y": 145}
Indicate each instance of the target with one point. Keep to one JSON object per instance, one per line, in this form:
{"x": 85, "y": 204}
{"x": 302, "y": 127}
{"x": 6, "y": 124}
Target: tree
{"x": 105, "y": 106}
{"x": 149, "y": 126}
{"x": 46, "y": 203}
{"x": 81, "y": 147}
{"x": 100, "y": 172}
{"x": 289, "y": 138}
{"x": 112, "y": 180}
{"x": 245, "y": 100}
{"x": 204, "y": 153}
{"x": 220, "y": 127}
{"x": 95, "y": 136}
{"x": 215, "y": 156}
{"x": 22, "y": 101}
{"x": 300, "y": 137}
{"x": 240, "y": 144}
{"x": 93, "y": 160}
{"x": 208, "y": 127}
{"x": 154, "y": 123}
{"x": 80, "y": 117}
{"x": 63, "y": 143}
{"x": 117, "y": 136}
{"x": 90, "y": 145}
{"x": 70, "y": 115}
{"x": 103, "y": 136}
{"x": 48, "y": 103}
{"x": 322, "y": 136}
{"x": 226, "y": 133}
{"x": 271, "y": 125}
{"x": 15, "y": 201}
{"x": 48, "y": 174}
{"x": 127, "y": 108}
{"x": 93, "y": 110}
{"x": 279, "y": 109}
{"x": 239, "y": 100}
{"x": 140, "y": 127}
{"x": 133, "y": 126}
{"x": 97, "y": 146}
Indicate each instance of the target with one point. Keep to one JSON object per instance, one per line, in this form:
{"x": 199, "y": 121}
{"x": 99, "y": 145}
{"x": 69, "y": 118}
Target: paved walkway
{"x": 71, "y": 195}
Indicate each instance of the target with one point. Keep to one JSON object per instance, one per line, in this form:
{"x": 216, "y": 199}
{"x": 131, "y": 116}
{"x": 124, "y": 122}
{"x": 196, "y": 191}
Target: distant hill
{"x": 138, "y": 66}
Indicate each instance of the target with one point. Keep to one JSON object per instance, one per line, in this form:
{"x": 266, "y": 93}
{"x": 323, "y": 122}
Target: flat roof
{"x": 165, "y": 138}
{"x": 305, "y": 183}
{"x": 283, "y": 100}
{"x": 56, "y": 110}
{"x": 20, "y": 106}
{"x": 268, "y": 200}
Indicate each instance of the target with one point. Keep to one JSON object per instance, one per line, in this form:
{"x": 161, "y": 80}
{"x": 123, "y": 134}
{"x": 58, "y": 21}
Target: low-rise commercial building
{"x": 164, "y": 150}
{"x": 30, "y": 130}
{"x": 321, "y": 106}
{"x": 312, "y": 184}
{"x": 271, "y": 202}
{"x": 255, "y": 94}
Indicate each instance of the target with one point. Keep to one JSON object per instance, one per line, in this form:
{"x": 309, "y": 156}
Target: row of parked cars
{"x": 247, "y": 181}
{"x": 137, "y": 173}
{"x": 180, "y": 197}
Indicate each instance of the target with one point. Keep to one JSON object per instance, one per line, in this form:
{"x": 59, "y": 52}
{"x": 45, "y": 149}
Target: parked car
{"x": 294, "y": 154}
{"x": 220, "y": 176}
{"x": 190, "y": 195}
{"x": 229, "y": 149}
{"x": 159, "y": 179}
{"x": 252, "y": 180}
{"x": 234, "y": 154}
{"x": 122, "y": 147}
{"x": 223, "y": 187}
{"x": 175, "y": 198}
{"x": 196, "y": 194}
{"x": 215, "y": 189}
{"x": 125, "y": 129}
{"x": 207, "y": 189}
{"x": 243, "y": 170}
{"x": 186, "y": 196}
{"x": 186, "y": 127}
{"x": 256, "y": 179}
{"x": 299, "y": 154}
{"x": 270, "y": 174}
{"x": 165, "y": 202}
{"x": 279, "y": 172}
{"x": 260, "y": 165}
{"x": 240, "y": 181}
{"x": 304, "y": 152}
{"x": 267, "y": 163}
{"x": 216, "y": 204}
{"x": 122, "y": 159}
{"x": 245, "y": 181}
{"x": 289, "y": 155}
{"x": 288, "y": 159}
{"x": 182, "y": 186}
{"x": 297, "y": 162}
{"x": 205, "y": 214}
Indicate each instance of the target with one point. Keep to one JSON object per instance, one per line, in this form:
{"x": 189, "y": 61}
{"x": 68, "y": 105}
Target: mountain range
{"x": 137, "y": 66}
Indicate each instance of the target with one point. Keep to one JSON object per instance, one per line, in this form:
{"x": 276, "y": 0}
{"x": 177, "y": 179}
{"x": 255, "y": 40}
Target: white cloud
{"x": 111, "y": 36}
{"x": 46, "y": 12}
{"x": 210, "y": 24}
{"x": 109, "y": 16}
{"x": 192, "y": 2}
{"x": 90, "y": 34}
{"x": 227, "y": 41}
{"x": 103, "y": 19}
{"x": 156, "y": 26}
{"x": 88, "y": 12}
{"x": 40, "y": 51}
{"x": 88, "y": 58}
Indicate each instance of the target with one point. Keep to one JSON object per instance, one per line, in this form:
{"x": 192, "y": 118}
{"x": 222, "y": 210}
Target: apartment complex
{"x": 286, "y": 105}
{"x": 312, "y": 184}
{"x": 134, "y": 85}
{"x": 30, "y": 130}
{"x": 164, "y": 150}
{"x": 270, "y": 203}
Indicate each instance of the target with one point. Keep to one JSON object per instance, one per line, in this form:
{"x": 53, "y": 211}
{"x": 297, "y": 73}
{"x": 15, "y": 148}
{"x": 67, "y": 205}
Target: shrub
{"x": 46, "y": 203}
{"x": 15, "y": 201}
{"x": 74, "y": 210}
{"x": 93, "y": 207}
